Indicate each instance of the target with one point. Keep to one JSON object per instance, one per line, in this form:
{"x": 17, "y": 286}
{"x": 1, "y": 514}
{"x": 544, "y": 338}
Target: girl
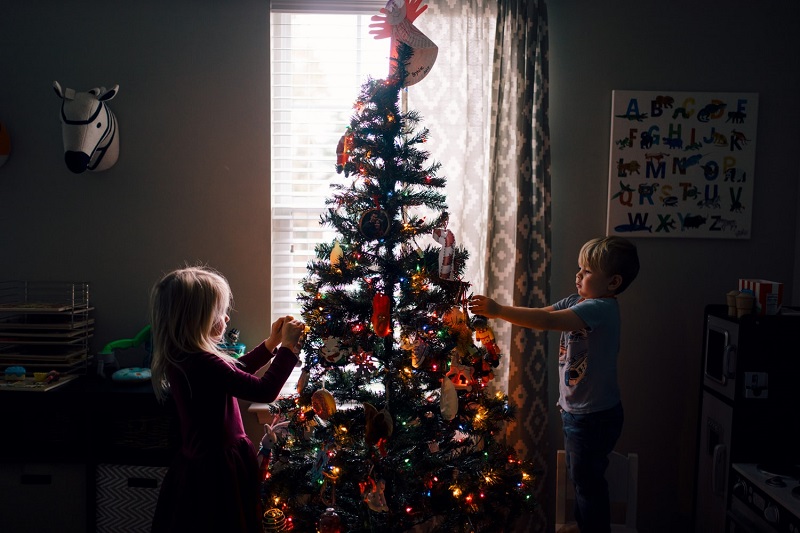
{"x": 212, "y": 484}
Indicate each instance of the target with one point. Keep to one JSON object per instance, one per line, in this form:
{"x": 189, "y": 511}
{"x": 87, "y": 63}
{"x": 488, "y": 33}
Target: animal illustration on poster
{"x": 681, "y": 164}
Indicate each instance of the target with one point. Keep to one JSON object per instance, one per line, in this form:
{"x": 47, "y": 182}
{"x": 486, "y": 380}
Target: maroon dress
{"x": 213, "y": 483}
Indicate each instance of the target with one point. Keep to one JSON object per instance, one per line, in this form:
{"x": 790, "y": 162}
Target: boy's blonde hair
{"x": 185, "y": 305}
{"x": 612, "y": 256}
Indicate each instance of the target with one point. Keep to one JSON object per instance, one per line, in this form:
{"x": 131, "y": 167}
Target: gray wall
{"x": 723, "y": 46}
{"x": 192, "y": 181}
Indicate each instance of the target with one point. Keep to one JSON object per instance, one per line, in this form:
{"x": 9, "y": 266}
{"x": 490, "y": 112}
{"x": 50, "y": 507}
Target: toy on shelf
{"x": 231, "y": 344}
{"x": 107, "y": 358}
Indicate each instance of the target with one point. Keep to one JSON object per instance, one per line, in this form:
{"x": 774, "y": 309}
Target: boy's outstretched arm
{"x": 544, "y": 318}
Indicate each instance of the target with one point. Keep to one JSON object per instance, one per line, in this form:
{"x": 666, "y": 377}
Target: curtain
{"x": 520, "y": 214}
{"x": 489, "y": 129}
{"x": 454, "y": 100}
{"x": 520, "y": 161}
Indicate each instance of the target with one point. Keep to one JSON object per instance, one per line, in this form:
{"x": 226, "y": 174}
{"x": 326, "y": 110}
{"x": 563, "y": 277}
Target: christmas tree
{"x": 393, "y": 427}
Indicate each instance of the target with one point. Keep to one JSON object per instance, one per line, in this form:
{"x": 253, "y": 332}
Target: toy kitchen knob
{"x": 772, "y": 514}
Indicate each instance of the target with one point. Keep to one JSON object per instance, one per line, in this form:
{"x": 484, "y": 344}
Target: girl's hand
{"x": 275, "y": 334}
{"x": 483, "y": 305}
{"x": 291, "y": 332}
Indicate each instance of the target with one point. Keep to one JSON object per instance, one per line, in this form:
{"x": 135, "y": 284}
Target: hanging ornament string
{"x": 462, "y": 299}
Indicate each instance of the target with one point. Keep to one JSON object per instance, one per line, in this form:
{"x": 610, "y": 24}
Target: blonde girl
{"x": 212, "y": 484}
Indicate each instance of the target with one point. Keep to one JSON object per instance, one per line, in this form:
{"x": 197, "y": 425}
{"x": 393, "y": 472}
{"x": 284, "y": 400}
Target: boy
{"x": 589, "y": 397}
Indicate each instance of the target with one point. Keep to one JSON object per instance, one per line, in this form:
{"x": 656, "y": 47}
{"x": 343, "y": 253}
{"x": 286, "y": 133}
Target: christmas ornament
{"x": 329, "y": 522}
{"x": 486, "y": 373}
{"x": 421, "y": 351}
{"x": 331, "y": 349}
{"x": 461, "y": 376}
{"x": 323, "y": 403}
{"x": 406, "y": 342}
{"x": 446, "y": 253}
{"x": 379, "y": 426}
{"x": 327, "y": 493}
{"x": 321, "y": 461}
{"x": 336, "y": 258}
{"x": 448, "y": 403}
{"x": 381, "y": 315}
{"x": 396, "y": 23}
{"x": 268, "y": 442}
{"x": 417, "y": 346}
{"x": 360, "y": 357}
{"x": 456, "y": 321}
{"x": 374, "y": 496}
{"x": 374, "y": 223}
{"x": 302, "y": 382}
{"x": 273, "y": 520}
{"x": 343, "y": 150}
{"x": 485, "y": 335}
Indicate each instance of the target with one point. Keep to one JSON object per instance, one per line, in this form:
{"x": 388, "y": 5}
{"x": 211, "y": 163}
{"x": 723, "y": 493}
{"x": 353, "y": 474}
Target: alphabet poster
{"x": 681, "y": 164}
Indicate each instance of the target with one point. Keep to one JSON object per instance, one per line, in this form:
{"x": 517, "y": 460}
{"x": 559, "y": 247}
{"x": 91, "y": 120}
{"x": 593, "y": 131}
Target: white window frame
{"x": 298, "y": 186}
{"x": 302, "y": 163}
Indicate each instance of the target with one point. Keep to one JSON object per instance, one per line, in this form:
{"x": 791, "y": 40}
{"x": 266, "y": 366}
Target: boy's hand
{"x": 483, "y": 305}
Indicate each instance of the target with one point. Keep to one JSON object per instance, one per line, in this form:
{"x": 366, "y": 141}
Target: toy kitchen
{"x": 764, "y": 497}
{"x": 748, "y": 468}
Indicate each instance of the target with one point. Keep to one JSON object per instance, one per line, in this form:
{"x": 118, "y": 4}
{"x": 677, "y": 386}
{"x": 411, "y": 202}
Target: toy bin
{"x": 127, "y": 497}
{"x": 42, "y": 497}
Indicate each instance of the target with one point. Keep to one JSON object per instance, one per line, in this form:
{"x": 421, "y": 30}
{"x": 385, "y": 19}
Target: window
{"x": 318, "y": 64}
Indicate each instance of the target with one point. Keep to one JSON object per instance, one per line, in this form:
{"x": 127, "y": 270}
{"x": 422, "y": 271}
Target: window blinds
{"x": 318, "y": 63}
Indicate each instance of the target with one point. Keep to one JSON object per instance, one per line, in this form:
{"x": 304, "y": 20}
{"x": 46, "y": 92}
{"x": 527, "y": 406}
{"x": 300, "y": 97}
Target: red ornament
{"x": 343, "y": 150}
{"x": 329, "y": 522}
{"x": 381, "y": 317}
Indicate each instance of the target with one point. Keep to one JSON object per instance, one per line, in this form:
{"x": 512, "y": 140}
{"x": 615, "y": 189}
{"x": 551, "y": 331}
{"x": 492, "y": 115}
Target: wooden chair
{"x": 622, "y": 476}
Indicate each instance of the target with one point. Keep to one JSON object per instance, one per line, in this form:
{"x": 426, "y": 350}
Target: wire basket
{"x": 45, "y": 326}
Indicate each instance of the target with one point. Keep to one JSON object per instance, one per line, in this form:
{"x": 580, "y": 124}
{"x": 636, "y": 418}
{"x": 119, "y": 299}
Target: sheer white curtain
{"x": 455, "y": 103}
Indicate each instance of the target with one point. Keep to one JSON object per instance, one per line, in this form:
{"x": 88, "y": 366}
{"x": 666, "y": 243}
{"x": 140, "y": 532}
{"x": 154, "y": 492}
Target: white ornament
{"x": 448, "y": 403}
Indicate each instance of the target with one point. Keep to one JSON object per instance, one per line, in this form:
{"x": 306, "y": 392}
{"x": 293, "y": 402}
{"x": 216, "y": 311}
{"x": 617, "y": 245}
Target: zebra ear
{"x": 106, "y": 95}
{"x": 64, "y": 94}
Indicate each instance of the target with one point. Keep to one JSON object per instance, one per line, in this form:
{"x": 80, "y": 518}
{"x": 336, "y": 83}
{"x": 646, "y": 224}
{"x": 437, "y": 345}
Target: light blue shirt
{"x": 587, "y": 358}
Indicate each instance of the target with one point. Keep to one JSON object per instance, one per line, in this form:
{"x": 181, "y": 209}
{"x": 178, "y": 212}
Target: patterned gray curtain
{"x": 520, "y": 216}
{"x": 489, "y": 130}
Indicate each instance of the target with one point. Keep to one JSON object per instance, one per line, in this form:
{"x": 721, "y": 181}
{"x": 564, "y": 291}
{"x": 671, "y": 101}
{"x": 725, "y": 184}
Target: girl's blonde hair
{"x": 185, "y": 306}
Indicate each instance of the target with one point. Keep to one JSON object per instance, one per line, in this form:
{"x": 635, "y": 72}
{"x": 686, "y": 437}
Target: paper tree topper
{"x": 395, "y": 21}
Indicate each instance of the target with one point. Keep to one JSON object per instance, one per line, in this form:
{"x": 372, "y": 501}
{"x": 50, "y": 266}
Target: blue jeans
{"x": 588, "y": 439}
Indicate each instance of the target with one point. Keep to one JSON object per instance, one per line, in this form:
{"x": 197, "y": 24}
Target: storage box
{"x": 769, "y": 295}
{"x": 43, "y": 497}
{"x": 126, "y": 497}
